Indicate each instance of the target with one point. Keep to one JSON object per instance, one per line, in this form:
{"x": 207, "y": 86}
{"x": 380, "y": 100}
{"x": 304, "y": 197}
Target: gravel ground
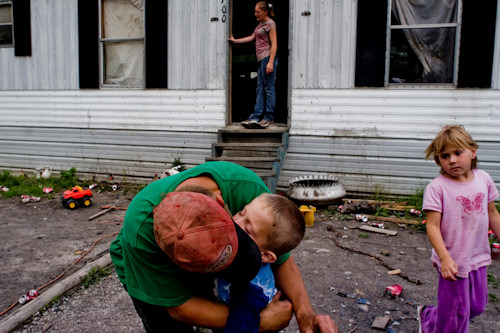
{"x": 341, "y": 266}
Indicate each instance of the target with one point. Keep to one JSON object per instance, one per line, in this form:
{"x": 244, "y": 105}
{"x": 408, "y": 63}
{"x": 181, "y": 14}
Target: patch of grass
{"x": 493, "y": 280}
{"x": 493, "y": 298}
{"x": 416, "y": 199}
{"x": 379, "y": 193}
{"x": 95, "y": 275}
{"x": 50, "y": 304}
{"x": 363, "y": 235}
{"x": 31, "y": 185}
{"x": 418, "y": 227}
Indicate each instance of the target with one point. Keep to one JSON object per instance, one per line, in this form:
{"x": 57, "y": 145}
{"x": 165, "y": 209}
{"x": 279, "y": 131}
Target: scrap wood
{"x": 114, "y": 207}
{"x": 380, "y": 323}
{"x": 394, "y": 272}
{"x": 106, "y": 209}
{"x": 392, "y": 219}
{"x": 101, "y": 213}
{"x": 378, "y": 230}
{"x": 376, "y": 202}
{"x": 380, "y": 260}
{"x": 398, "y": 208}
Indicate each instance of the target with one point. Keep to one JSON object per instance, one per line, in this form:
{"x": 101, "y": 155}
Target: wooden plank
{"x": 378, "y": 230}
{"x": 101, "y": 213}
{"x": 392, "y": 219}
{"x": 376, "y": 202}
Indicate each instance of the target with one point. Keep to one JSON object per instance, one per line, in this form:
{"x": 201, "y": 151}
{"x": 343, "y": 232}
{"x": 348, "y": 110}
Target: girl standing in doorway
{"x": 266, "y": 45}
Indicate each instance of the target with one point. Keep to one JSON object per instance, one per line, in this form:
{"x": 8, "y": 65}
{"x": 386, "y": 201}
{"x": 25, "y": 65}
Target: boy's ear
{"x": 268, "y": 257}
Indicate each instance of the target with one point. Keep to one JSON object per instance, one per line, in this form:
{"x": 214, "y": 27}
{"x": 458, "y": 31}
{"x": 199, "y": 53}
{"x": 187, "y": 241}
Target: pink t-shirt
{"x": 464, "y": 220}
{"x": 262, "y": 40}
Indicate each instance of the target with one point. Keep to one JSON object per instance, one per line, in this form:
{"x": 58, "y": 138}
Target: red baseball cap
{"x": 200, "y": 236}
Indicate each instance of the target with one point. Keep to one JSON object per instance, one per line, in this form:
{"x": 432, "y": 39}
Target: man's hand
{"x": 276, "y": 315}
{"x": 313, "y": 322}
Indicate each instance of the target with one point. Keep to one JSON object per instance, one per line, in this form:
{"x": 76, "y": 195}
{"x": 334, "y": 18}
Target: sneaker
{"x": 420, "y": 309}
{"x": 264, "y": 123}
{"x": 250, "y": 123}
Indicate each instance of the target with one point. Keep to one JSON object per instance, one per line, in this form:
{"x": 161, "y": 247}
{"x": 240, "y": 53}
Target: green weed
{"x": 416, "y": 199}
{"x": 363, "y": 235}
{"x": 50, "y": 304}
{"x": 493, "y": 280}
{"x": 493, "y": 298}
{"x": 95, "y": 275}
{"x": 23, "y": 184}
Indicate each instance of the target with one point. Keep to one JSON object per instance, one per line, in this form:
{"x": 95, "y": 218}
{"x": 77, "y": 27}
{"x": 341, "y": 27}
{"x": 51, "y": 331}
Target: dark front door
{"x": 243, "y": 73}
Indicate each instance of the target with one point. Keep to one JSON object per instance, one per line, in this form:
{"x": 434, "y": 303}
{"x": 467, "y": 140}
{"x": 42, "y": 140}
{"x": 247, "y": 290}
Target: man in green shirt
{"x": 170, "y": 298}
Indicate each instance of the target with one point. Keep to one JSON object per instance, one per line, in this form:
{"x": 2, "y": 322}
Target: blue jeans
{"x": 266, "y": 95}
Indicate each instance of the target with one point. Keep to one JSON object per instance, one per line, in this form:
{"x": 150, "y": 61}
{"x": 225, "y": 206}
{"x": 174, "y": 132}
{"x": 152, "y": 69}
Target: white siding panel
{"x": 395, "y": 113}
{"x": 323, "y": 43}
{"x": 374, "y": 139}
{"x": 131, "y": 133}
{"x": 172, "y": 110}
{"x": 54, "y": 60}
{"x": 197, "y": 59}
{"x": 385, "y": 166}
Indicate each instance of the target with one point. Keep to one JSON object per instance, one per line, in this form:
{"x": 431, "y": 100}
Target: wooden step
{"x": 244, "y": 159}
{"x": 228, "y": 145}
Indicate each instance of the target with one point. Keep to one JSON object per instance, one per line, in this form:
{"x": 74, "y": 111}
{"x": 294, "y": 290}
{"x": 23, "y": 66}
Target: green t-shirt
{"x": 146, "y": 271}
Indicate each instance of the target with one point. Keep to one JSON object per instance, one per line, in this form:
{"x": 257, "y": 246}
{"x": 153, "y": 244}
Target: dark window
{"x": 435, "y": 42}
{"x": 22, "y": 27}
{"x": 88, "y": 40}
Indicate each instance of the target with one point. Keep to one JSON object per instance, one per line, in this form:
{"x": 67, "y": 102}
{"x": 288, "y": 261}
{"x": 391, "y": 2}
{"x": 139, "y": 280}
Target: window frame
{"x": 390, "y": 27}
{"x": 11, "y": 24}
{"x": 103, "y": 41}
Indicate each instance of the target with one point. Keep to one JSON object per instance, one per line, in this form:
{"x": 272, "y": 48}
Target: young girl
{"x": 266, "y": 46}
{"x": 460, "y": 207}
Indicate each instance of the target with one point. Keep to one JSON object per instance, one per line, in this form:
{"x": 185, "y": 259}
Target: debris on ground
{"x": 380, "y": 323}
{"x": 27, "y": 198}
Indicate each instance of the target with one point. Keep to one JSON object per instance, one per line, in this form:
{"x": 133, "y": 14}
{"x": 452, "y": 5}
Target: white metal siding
{"x": 133, "y": 133}
{"x": 197, "y": 45}
{"x": 374, "y": 139}
{"x": 323, "y": 43}
{"x": 54, "y": 60}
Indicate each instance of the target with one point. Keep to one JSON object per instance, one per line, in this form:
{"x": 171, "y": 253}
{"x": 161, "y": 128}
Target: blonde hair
{"x": 451, "y": 136}
{"x": 288, "y": 226}
{"x": 267, "y": 7}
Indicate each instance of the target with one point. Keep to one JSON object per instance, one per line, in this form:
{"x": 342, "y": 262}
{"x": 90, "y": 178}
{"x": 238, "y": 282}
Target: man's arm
{"x": 201, "y": 312}
{"x": 290, "y": 282}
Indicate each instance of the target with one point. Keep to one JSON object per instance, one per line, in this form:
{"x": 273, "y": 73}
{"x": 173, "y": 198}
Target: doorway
{"x": 243, "y": 63}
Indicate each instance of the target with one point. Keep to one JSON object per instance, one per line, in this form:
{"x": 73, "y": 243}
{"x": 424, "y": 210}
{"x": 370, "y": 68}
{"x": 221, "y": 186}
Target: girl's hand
{"x": 449, "y": 269}
{"x": 231, "y": 39}
{"x": 269, "y": 67}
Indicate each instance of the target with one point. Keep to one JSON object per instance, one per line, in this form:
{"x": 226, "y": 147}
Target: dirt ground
{"x": 40, "y": 240}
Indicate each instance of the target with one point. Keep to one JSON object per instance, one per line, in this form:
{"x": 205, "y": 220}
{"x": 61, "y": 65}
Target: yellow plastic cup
{"x": 308, "y": 212}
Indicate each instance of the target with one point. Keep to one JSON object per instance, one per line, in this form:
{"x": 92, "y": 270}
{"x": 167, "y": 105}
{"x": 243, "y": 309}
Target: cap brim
{"x": 247, "y": 262}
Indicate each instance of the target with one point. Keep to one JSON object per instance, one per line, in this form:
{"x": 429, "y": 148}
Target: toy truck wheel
{"x": 71, "y": 204}
{"x": 86, "y": 201}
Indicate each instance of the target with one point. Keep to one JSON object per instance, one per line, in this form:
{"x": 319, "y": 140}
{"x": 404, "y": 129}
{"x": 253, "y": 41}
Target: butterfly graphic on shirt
{"x": 473, "y": 203}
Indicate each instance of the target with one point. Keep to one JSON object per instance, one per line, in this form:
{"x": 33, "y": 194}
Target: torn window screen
{"x": 122, "y": 36}
{"x": 423, "y": 41}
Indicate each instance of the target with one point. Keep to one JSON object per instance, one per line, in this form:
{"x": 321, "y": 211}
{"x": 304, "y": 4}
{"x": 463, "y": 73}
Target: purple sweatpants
{"x": 458, "y": 302}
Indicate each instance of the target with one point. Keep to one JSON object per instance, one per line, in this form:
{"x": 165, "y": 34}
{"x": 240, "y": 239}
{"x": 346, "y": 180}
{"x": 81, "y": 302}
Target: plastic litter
{"x": 393, "y": 291}
{"x": 361, "y": 218}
